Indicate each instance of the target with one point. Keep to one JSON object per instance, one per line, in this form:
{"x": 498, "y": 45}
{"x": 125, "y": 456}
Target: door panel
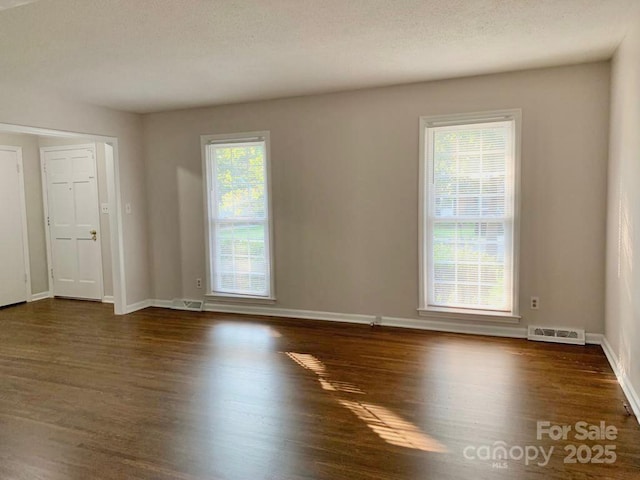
{"x": 73, "y": 217}
{"x": 85, "y": 212}
{"x": 87, "y": 265}
{"x": 61, "y": 202}
{"x": 13, "y": 288}
{"x": 63, "y": 260}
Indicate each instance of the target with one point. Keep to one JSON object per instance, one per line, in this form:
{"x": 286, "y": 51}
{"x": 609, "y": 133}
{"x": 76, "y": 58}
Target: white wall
{"x": 345, "y": 191}
{"x": 622, "y": 326}
{"x": 30, "y": 108}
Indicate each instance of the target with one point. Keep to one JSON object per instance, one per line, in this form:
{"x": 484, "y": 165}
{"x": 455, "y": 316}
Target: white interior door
{"x": 74, "y": 222}
{"x": 13, "y": 273}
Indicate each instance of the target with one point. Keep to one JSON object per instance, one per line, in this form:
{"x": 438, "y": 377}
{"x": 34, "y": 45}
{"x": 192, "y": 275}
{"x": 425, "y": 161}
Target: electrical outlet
{"x": 104, "y": 208}
{"x": 198, "y": 283}
{"x": 535, "y": 303}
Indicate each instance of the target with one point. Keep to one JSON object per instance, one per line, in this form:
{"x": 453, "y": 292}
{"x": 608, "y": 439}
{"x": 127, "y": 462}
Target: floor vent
{"x": 182, "y": 304}
{"x": 574, "y": 336}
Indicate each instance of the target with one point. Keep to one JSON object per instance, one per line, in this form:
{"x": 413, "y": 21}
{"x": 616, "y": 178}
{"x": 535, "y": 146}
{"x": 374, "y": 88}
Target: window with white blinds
{"x": 470, "y": 214}
{"x": 239, "y": 230}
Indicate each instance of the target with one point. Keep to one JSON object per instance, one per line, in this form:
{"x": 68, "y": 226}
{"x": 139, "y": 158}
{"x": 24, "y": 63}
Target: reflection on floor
{"x": 166, "y": 395}
{"x": 389, "y": 426}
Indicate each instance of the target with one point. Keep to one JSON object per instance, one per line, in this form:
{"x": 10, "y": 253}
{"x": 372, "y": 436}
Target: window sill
{"x": 438, "y": 313}
{"x": 228, "y": 297}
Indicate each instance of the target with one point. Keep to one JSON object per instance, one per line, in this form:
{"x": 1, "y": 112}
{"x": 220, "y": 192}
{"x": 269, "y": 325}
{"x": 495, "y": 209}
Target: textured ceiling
{"x": 152, "y": 55}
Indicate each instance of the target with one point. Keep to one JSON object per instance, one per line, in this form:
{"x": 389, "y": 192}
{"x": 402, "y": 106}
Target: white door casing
{"x": 73, "y": 222}
{"x": 14, "y": 253}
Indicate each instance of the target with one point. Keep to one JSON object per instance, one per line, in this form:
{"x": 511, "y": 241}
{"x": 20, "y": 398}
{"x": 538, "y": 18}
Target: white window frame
{"x": 205, "y": 141}
{"x": 443, "y": 313}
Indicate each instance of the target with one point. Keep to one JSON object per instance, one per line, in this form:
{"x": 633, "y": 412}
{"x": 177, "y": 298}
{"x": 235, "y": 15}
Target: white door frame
{"x": 114, "y": 200}
{"x": 23, "y": 215}
{"x": 45, "y": 200}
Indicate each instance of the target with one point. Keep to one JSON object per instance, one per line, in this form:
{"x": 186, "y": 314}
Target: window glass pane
{"x": 239, "y": 218}
{"x": 470, "y": 224}
{"x": 470, "y": 253}
{"x": 241, "y": 265}
{"x": 240, "y": 181}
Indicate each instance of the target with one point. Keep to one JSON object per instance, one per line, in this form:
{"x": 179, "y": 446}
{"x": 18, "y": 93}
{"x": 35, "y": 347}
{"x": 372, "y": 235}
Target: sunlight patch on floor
{"x": 386, "y": 424}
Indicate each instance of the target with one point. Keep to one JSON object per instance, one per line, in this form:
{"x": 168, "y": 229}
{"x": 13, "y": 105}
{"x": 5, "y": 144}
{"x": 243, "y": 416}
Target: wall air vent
{"x": 574, "y": 336}
{"x": 183, "y": 304}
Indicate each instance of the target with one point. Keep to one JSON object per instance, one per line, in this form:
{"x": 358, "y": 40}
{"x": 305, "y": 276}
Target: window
{"x": 469, "y": 214}
{"x": 238, "y": 218}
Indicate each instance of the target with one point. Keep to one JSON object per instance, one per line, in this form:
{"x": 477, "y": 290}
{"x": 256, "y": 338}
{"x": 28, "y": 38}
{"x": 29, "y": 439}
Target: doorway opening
{"x": 70, "y": 219}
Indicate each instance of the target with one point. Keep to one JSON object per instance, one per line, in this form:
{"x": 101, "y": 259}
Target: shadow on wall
{"x": 190, "y": 239}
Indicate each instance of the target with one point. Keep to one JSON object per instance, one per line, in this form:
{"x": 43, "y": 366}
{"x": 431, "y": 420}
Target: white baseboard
{"x": 173, "y": 305}
{"x": 40, "y": 296}
{"x": 470, "y": 329}
{"x": 107, "y": 299}
{"x": 290, "y": 313}
{"x": 414, "y": 323}
{"x": 593, "y": 338}
{"x": 623, "y": 379}
{"x": 162, "y": 303}
{"x": 419, "y": 324}
{"x": 453, "y": 327}
{"x": 134, "y": 307}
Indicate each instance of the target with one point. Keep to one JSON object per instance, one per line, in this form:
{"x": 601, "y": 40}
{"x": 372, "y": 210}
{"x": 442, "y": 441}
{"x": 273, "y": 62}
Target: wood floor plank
{"x": 162, "y": 394}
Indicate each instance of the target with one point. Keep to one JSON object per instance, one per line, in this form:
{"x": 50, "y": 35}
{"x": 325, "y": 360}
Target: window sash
{"x": 225, "y": 264}
{"x": 506, "y": 262}
{"x": 507, "y": 220}
{"x": 220, "y": 269}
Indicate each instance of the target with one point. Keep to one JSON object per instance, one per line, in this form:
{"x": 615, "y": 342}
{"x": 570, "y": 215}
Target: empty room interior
{"x": 319, "y": 239}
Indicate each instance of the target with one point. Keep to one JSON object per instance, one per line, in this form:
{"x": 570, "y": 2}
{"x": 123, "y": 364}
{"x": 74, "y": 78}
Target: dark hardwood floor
{"x": 162, "y": 394}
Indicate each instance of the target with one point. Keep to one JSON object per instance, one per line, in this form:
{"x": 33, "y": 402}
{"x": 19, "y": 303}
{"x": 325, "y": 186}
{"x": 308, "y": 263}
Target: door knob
{"x": 94, "y": 235}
